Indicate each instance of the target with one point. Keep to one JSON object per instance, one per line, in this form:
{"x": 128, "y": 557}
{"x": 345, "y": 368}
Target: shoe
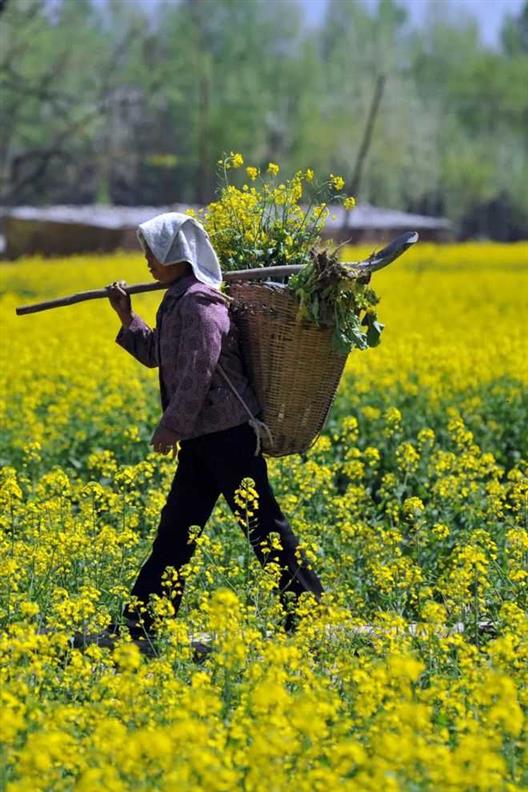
{"x": 200, "y": 651}
{"x": 102, "y": 639}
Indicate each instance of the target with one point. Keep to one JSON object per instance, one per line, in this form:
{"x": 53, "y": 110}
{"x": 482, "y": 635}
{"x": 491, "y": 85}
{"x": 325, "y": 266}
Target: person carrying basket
{"x": 209, "y": 408}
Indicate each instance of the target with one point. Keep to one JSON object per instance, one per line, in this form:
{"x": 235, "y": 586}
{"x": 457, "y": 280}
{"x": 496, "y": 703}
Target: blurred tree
{"x": 515, "y": 33}
{"x": 358, "y": 49}
{"x": 480, "y": 104}
{"x": 135, "y": 102}
{"x": 55, "y": 98}
{"x": 234, "y": 62}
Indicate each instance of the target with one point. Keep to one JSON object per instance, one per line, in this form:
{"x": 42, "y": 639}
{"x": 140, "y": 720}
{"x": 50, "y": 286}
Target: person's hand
{"x": 164, "y": 441}
{"x": 120, "y": 301}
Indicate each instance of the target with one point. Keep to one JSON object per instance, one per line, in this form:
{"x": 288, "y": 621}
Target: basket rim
{"x": 280, "y": 293}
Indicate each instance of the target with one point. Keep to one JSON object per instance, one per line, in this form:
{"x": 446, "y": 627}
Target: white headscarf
{"x": 173, "y": 237}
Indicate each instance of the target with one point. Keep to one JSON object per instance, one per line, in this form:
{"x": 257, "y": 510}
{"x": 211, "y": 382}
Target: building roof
{"x": 374, "y": 217}
{"x": 363, "y": 216}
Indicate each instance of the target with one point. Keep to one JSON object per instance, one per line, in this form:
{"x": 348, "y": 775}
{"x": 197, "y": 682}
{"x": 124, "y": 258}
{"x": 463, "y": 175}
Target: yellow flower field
{"x": 412, "y": 674}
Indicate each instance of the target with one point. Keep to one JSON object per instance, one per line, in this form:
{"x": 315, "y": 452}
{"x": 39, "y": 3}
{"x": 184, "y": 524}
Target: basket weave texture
{"x": 291, "y": 365}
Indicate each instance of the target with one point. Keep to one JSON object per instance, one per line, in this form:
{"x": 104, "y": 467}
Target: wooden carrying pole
{"x": 252, "y": 274}
{"x": 375, "y": 262}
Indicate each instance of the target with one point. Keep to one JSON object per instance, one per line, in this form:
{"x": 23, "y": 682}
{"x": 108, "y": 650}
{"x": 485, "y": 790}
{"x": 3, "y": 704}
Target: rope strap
{"x": 259, "y": 427}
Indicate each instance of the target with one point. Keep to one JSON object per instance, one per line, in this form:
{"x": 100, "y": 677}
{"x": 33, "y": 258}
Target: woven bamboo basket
{"x": 291, "y": 364}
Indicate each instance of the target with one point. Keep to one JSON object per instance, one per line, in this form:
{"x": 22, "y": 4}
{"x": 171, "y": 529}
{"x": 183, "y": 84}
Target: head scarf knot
{"x": 173, "y": 237}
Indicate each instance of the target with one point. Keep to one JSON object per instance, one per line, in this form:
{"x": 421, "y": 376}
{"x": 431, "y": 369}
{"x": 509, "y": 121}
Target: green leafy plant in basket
{"x": 331, "y": 295}
{"x": 266, "y": 222}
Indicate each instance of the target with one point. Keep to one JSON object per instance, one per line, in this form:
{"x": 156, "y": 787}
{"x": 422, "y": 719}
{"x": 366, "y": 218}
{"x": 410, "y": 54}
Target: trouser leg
{"x": 189, "y": 503}
{"x": 296, "y": 576}
{"x": 236, "y": 449}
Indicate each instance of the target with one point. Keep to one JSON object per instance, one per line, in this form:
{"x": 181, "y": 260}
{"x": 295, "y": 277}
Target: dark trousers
{"x": 208, "y": 466}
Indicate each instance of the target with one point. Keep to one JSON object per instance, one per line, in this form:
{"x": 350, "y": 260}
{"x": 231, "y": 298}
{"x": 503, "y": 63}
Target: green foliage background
{"x": 133, "y": 103}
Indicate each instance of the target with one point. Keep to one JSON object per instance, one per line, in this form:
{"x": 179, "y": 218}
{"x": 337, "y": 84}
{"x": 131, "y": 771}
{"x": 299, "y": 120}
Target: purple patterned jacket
{"x": 193, "y": 333}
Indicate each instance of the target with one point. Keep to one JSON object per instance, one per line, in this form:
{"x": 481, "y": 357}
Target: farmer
{"x": 218, "y": 431}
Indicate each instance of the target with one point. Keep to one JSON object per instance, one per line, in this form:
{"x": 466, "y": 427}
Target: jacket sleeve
{"x": 140, "y": 341}
{"x": 205, "y": 323}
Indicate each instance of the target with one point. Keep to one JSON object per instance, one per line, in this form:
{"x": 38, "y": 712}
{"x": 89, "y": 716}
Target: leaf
{"x": 374, "y": 333}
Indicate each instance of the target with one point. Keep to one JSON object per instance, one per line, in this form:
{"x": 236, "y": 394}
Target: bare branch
{"x": 41, "y": 91}
{"x": 355, "y": 180}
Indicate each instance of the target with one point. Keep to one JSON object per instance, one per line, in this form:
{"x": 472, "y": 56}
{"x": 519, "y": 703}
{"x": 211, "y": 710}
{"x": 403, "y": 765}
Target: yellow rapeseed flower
{"x": 252, "y": 172}
{"x": 337, "y": 182}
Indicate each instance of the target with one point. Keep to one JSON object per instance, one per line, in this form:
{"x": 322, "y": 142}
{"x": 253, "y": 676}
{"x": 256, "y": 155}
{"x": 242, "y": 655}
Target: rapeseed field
{"x": 412, "y": 674}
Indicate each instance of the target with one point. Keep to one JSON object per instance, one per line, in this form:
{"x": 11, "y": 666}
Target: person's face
{"x": 164, "y": 273}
